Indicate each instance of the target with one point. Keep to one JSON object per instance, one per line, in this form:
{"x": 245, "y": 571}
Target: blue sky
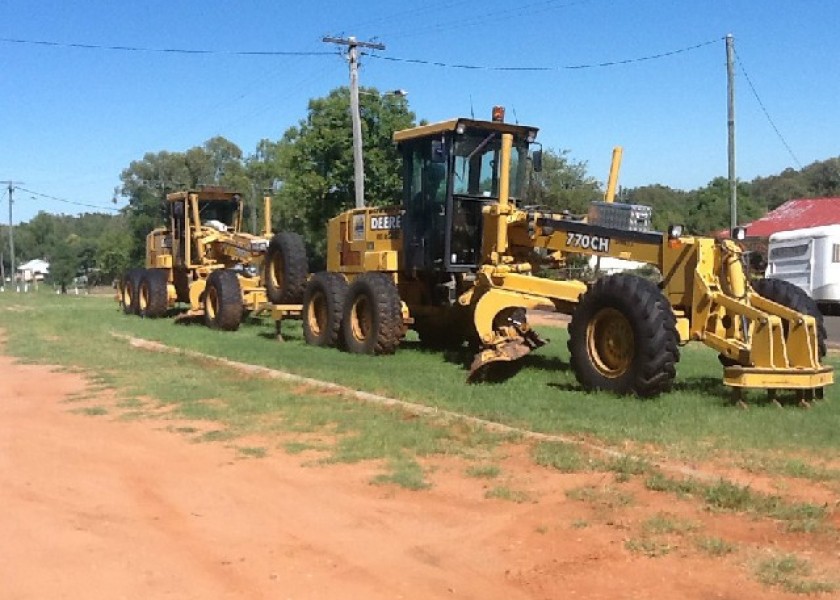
{"x": 71, "y": 118}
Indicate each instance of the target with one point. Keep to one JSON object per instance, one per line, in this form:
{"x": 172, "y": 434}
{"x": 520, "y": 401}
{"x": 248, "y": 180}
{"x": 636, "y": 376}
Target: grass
{"x": 696, "y": 420}
{"x": 714, "y": 546}
{"x": 484, "y": 471}
{"x": 503, "y": 492}
{"x": 791, "y": 573}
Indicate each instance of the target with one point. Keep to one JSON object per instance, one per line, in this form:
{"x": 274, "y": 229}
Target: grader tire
{"x": 323, "y": 309}
{"x": 622, "y": 339}
{"x": 129, "y": 291}
{"x": 223, "y": 306}
{"x": 152, "y": 294}
{"x": 286, "y": 268}
{"x": 372, "y": 320}
{"x": 793, "y": 297}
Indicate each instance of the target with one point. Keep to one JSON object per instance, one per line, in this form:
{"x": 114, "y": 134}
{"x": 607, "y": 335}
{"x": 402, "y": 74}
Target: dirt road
{"x": 98, "y": 507}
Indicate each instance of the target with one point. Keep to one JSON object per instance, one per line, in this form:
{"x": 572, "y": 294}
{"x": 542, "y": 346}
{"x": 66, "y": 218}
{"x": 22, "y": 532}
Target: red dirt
{"x": 97, "y": 507}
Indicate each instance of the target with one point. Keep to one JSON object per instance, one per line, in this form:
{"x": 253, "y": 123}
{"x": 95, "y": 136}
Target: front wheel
{"x": 622, "y": 338}
{"x": 323, "y": 308}
{"x": 223, "y": 307}
{"x": 372, "y": 320}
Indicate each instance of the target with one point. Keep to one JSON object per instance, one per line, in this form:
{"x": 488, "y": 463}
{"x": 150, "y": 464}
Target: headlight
{"x": 259, "y": 245}
{"x": 675, "y": 232}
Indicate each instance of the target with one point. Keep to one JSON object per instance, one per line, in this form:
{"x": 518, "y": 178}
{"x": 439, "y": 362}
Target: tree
{"x": 563, "y": 184}
{"x": 670, "y": 206}
{"x": 710, "y": 211}
{"x": 64, "y": 263}
{"x": 314, "y": 161}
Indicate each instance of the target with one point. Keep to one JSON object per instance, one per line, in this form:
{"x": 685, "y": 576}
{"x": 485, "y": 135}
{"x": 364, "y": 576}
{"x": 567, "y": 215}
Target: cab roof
{"x": 212, "y": 193}
{"x": 452, "y": 125}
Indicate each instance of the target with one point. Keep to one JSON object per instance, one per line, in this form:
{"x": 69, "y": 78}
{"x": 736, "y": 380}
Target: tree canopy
{"x": 310, "y": 170}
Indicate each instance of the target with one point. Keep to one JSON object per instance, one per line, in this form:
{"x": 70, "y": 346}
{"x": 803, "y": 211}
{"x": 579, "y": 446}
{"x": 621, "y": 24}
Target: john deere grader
{"x": 202, "y": 258}
{"x": 457, "y": 262}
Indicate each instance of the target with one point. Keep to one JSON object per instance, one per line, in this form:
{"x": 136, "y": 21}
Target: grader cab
{"x": 456, "y": 261}
{"x": 202, "y": 258}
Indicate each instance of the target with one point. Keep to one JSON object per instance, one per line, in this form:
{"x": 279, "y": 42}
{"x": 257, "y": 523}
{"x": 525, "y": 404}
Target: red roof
{"x": 797, "y": 214}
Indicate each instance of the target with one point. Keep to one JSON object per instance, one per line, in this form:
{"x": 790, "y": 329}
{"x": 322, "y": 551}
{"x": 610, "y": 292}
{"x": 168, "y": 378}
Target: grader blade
{"x": 501, "y": 361}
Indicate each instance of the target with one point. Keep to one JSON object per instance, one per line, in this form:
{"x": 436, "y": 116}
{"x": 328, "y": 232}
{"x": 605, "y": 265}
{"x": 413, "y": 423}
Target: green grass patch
{"x": 405, "y": 473}
{"x": 730, "y": 497}
{"x": 696, "y": 419}
{"x": 566, "y": 458}
{"x": 791, "y": 573}
{"x": 650, "y": 547}
{"x": 92, "y": 411}
{"x": 665, "y": 523}
{"x": 714, "y": 546}
{"x": 251, "y": 451}
{"x": 607, "y": 497}
{"x": 502, "y": 492}
{"x": 484, "y": 471}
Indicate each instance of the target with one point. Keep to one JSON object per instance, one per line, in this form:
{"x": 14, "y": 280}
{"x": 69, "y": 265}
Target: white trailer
{"x": 810, "y": 259}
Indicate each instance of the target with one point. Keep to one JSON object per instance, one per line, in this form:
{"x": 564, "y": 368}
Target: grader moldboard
{"x": 457, "y": 261}
{"x": 203, "y": 258}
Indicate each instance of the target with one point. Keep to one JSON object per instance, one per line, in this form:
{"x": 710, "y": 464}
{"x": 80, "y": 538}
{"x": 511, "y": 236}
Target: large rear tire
{"x": 223, "y": 306}
{"x": 129, "y": 291}
{"x": 622, "y": 338}
{"x": 793, "y": 297}
{"x": 372, "y": 320}
{"x": 153, "y": 300}
{"x": 323, "y": 309}
{"x": 286, "y": 269}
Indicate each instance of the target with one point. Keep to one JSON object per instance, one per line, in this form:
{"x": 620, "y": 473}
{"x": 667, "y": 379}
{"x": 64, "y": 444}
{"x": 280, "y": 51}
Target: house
{"x": 800, "y": 213}
{"x": 796, "y": 214}
{"x": 34, "y": 270}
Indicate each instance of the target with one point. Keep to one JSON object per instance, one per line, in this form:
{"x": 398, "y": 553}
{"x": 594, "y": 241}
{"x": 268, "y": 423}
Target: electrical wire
{"x": 613, "y": 63}
{"x": 64, "y": 200}
{"x": 167, "y": 50}
{"x": 765, "y": 111}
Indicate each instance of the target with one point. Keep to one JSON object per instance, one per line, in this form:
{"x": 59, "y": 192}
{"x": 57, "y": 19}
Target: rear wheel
{"x": 372, "y": 320}
{"x": 323, "y": 308}
{"x": 286, "y": 268}
{"x": 152, "y": 299}
{"x": 129, "y": 291}
{"x": 223, "y": 301}
{"x": 793, "y": 297}
{"x": 622, "y": 339}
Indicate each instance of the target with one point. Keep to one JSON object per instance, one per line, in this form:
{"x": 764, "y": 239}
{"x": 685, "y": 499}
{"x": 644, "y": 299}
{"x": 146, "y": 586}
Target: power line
{"x": 165, "y": 50}
{"x": 64, "y": 200}
{"x": 418, "y": 61}
{"x": 613, "y": 63}
{"x": 766, "y": 113}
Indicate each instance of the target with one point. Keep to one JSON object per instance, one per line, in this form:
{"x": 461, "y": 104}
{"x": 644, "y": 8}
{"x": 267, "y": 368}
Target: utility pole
{"x": 11, "y": 189}
{"x": 353, "y": 58}
{"x": 733, "y": 184}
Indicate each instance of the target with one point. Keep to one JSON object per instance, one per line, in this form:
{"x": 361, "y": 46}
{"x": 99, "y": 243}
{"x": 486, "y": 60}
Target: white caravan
{"x": 809, "y": 258}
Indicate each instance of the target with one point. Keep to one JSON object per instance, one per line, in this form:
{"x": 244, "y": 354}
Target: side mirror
{"x": 438, "y": 151}
{"x": 536, "y": 160}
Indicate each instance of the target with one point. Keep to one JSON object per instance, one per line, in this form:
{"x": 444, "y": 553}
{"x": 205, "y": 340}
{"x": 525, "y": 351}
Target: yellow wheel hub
{"x": 610, "y": 342}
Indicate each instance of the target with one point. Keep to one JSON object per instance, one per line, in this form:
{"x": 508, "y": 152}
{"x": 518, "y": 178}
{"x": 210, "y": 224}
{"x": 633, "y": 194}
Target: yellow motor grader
{"x": 456, "y": 261}
{"x": 204, "y": 259}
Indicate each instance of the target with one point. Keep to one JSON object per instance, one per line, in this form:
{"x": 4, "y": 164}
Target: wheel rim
{"x": 361, "y": 319}
{"x": 276, "y": 270}
{"x": 610, "y": 343}
{"x": 127, "y": 295}
{"x": 212, "y": 304}
{"x": 316, "y": 315}
{"x": 143, "y": 298}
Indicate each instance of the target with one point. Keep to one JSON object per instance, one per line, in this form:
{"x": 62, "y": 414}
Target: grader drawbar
{"x": 458, "y": 262}
{"x": 202, "y": 259}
